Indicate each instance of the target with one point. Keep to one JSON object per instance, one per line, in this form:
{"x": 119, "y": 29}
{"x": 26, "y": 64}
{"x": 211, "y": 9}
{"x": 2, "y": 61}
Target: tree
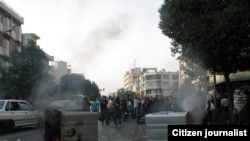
{"x": 211, "y": 33}
{"x": 124, "y": 93}
{"x": 72, "y": 84}
{"x": 28, "y": 70}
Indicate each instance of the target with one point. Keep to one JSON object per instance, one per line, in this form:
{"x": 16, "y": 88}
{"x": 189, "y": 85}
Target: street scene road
{"x": 128, "y": 131}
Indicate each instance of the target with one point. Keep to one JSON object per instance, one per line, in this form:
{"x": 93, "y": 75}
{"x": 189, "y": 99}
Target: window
{"x": 165, "y": 84}
{"x": 7, "y": 108}
{"x": 12, "y": 23}
{"x": 165, "y": 76}
{"x": 174, "y": 77}
{"x": 14, "y": 106}
{"x": 158, "y": 76}
{"x": 26, "y": 107}
{"x": 1, "y": 104}
{"x": 153, "y": 77}
{"x": 150, "y": 77}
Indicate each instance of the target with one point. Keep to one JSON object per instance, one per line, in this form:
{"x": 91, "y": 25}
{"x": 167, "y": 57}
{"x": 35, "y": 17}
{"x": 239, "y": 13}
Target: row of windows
{"x": 158, "y": 76}
{"x": 17, "y": 106}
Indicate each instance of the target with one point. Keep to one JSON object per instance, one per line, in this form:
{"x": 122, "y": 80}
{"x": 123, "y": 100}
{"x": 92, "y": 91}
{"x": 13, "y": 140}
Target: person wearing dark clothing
{"x": 124, "y": 109}
{"x": 156, "y": 104}
{"x": 104, "y": 109}
{"x": 117, "y": 112}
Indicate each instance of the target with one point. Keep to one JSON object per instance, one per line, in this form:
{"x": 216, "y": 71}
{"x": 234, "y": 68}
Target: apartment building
{"x": 150, "y": 81}
{"x": 28, "y": 38}
{"x": 32, "y": 37}
{"x": 131, "y": 77}
{"x": 158, "y": 83}
{"x": 10, "y": 33}
{"x": 58, "y": 69}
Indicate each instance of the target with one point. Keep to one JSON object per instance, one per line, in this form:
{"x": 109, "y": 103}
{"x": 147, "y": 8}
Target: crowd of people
{"x": 117, "y": 109}
{"x": 114, "y": 109}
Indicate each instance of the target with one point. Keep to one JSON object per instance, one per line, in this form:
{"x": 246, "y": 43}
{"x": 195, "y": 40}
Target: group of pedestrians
{"x": 240, "y": 114}
{"x": 118, "y": 109}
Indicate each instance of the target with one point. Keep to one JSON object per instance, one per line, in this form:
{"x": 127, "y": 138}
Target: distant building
{"x": 27, "y": 38}
{"x": 130, "y": 78}
{"x": 149, "y": 81}
{"x": 158, "y": 82}
{"x": 58, "y": 69}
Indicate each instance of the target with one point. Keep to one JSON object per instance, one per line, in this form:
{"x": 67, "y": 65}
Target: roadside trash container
{"x": 157, "y": 124}
{"x": 69, "y": 124}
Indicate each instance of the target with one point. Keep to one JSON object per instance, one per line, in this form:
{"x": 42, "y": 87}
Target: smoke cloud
{"x": 190, "y": 99}
{"x": 98, "y": 41}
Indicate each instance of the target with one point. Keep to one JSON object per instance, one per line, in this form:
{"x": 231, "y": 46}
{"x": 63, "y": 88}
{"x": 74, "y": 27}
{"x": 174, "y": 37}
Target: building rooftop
{"x": 11, "y": 11}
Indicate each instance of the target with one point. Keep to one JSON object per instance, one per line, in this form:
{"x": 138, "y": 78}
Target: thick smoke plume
{"x": 97, "y": 41}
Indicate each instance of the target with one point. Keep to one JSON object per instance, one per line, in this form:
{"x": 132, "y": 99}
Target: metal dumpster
{"x": 77, "y": 126}
{"x": 157, "y": 124}
{"x": 65, "y": 122}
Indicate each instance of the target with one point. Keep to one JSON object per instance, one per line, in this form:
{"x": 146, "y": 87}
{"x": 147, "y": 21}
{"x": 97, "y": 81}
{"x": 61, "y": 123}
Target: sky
{"x": 101, "y": 39}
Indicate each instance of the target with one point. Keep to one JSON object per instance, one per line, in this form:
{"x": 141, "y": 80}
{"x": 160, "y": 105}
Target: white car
{"x": 17, "y": 113}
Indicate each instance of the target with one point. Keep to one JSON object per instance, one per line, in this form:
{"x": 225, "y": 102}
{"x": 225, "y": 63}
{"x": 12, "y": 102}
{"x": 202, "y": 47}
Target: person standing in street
{"x": 225, "y": 109}
{"x": 95, "y": 106}
{"x": 240, "y": 104}
{"x": 103, "y": 109}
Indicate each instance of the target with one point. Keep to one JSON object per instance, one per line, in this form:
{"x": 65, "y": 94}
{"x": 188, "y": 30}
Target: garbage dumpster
{"x": 157, "y": 124}
{"x": 68, "y": 123}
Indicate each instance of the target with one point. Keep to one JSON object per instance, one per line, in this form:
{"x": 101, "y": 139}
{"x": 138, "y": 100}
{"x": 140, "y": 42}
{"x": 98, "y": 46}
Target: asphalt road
{"x": 128, "y": 131}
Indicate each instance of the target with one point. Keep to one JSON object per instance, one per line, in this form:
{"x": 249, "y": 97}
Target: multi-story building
{"x": 149, "y": 81}
{"x": 10, "y": 33}
{"x": 27, "y": 38}
{"x": 158, "y": 82}
{"x": 58, "y": 69}
{"x": 130, "y": 79}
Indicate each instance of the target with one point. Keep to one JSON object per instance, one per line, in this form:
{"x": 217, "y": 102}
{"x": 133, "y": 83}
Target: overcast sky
{"x": 101, "y": 39}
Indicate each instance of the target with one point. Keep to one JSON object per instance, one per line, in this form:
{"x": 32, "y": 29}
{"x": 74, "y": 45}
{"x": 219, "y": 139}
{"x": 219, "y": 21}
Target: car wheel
{"x": 9, "y": 126}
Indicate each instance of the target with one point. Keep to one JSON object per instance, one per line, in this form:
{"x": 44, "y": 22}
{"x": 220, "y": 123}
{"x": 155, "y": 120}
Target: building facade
{"x": 150, "y": 81}
{"x": 58, "y": 69}
{"x": 131, "y": 77}
{"x": 27, "y": 38}
{"x": 10, "y": 33}
{"x": 159, "y": 83}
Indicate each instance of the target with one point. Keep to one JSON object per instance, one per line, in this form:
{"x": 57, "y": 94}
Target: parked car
{"x": 17, "y": 113}
{"x": 65, "y": 105}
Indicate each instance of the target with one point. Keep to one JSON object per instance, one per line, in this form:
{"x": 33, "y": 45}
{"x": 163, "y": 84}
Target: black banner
{"x": 208, "y": 132}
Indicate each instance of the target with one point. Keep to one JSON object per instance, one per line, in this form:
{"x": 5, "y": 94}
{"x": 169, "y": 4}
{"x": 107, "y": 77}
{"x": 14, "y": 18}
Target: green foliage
{"x": 211, "y": 33}
{"x": 28, "y": 68}
{"x": 124, "y": 93}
